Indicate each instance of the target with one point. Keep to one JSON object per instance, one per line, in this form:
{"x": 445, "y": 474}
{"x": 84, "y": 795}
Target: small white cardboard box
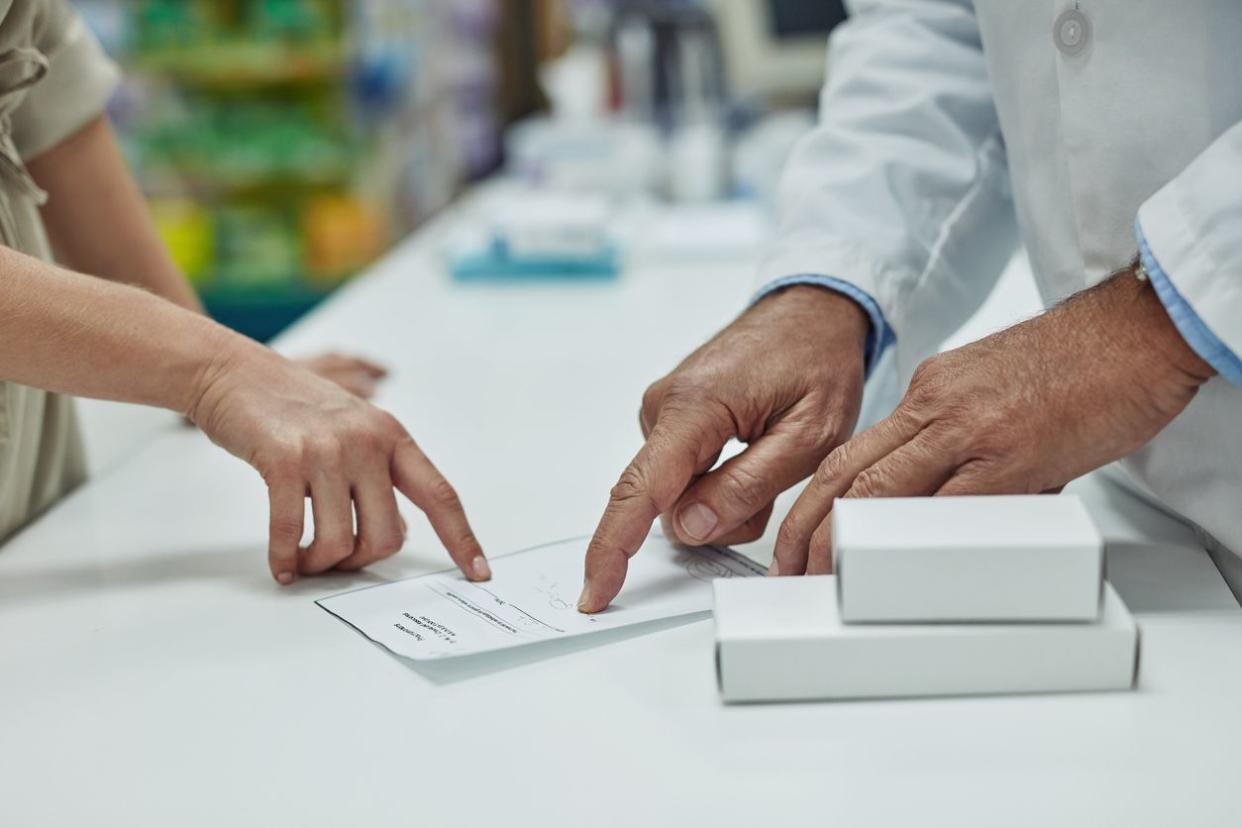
{"x": 782, "y": 639}
{"x": 998, "y": 558}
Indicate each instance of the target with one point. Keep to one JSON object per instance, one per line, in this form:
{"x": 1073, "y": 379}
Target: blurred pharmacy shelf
{"x": 286, "y": 144}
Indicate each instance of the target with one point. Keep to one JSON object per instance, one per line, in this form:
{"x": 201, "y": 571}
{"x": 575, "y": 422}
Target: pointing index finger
{"x": 422, "y": 483}
{"x": 651, "y": 484}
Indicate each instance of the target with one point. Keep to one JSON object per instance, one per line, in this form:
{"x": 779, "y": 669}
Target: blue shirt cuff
{"x": 1197, "y": 335}
{"x": 878, "y": 338}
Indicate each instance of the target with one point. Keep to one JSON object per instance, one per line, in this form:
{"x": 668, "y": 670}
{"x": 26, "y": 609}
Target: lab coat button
{"x": 1072, "y": 31}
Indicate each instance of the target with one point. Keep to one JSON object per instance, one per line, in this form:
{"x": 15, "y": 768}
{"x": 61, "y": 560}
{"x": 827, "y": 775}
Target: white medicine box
{"x": 782, "y": 639}
{"x": 960, "y": 559}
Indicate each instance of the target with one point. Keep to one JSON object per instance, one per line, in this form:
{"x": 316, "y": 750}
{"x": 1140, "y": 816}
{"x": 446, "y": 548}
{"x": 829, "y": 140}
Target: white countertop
{"x": 151, "y": 673}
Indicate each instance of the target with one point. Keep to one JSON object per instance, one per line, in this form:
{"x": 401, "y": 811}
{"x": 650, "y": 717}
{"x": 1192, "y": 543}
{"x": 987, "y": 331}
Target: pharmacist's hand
{"x": 786, "y": 378}
{"x": 1023, "y": 411}
{"x": 309, "y": 437}
{"x": 356, "y": 375}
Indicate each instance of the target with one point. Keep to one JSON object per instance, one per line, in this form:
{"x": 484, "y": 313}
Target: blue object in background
{"x": 492, "y": 263}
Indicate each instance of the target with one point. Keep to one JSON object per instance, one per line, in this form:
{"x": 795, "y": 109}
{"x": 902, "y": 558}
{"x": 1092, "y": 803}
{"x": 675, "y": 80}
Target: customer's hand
{"x": 307, "y": 436}
{"x": 1023, "y": 411}
{"x": 357, "y": 375}
{"x": 786, "y": 378}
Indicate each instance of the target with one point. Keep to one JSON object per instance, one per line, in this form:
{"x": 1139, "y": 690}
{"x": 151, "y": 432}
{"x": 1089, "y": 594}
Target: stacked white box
{"x": 1005, "y": 558}
{"x": 782, "y": 639}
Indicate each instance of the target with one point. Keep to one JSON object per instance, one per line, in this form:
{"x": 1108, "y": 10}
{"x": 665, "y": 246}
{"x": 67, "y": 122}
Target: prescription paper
{"x": 532, "y": 597}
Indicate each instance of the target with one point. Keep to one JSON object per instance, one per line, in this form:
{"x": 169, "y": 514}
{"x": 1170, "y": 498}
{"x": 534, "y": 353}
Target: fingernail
{"x": 480, "y": 568}
{"x": 774, "y": 570}
{"x": 584, "y": 600}
{"x": 697, "y": 521}
{"x": 285, "y": 578}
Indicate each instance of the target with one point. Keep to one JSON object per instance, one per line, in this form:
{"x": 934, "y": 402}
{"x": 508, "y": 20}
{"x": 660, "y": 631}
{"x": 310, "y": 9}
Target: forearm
{"x": 69, "y": 333}
{"x": 97, "y": 220}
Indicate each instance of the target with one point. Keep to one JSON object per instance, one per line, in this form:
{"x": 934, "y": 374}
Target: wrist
{"x": 224, "y": 354}
{"x": 1137, "y": 299}
{"x": 828, "y": 313}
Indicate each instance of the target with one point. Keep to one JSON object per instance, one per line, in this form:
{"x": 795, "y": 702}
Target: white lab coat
{"x": 949, "y": 127}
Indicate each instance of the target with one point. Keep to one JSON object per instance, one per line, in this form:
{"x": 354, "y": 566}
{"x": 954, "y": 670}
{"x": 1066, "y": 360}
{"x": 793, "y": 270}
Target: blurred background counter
{"x": 286, "y": 144}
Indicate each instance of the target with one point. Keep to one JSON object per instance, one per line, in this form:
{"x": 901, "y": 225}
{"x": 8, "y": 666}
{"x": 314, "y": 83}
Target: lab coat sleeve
{"x": 79, "y": 81}
{"x": 1190, "y": 237}
{"x": 902, "y": 188}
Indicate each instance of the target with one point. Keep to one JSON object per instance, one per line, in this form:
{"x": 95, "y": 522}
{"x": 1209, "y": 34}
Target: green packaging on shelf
{"x": 256, "y": 246}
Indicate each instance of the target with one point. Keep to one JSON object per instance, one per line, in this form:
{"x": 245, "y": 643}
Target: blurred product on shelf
{"x": 342, "y": 235}
{"x": 674, "y": 99}
{"x": 522, "y": 233}
{"x": 285, "y": 144}
{"x": 189, "y": 230}
{"x": 594, "y": 156}
{"x": 664, "y": 111}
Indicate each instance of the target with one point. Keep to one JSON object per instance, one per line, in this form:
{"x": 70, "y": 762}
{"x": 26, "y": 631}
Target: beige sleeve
{"x": 76, "y": 88}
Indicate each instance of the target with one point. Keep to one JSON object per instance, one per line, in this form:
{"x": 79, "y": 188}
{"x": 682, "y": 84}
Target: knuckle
{"x": 377, "y": 548}
{"x": 745, "y": 488}
{"x": 630, "y": 486}
{"x": 927, "y": 382}
{"x": 280, "y": 458}
{"x": 443, "y": 494}
{"x": 389, "y": 426}
{"x": 389, "y": 543}
{"x": 365, "y": 436}
{"x": 788, "y": 535}
{"x": 925, "y": 371}
{"x": 919, "y": 397}
{"x": 826, "y": 474}
{"x": 466, "y": 540}
{"x": 821, "y": 435}
{"x": 279, "y": 466}
{"x": 684, "y": 429}
{"x": 651, "y": 398}
{"x": 685, "y": 386}
{"x": 821, "y": 538}
{"x": 323, "y": 451}
{"x": 285, "y": 529}
{"x": 869, "y": 483}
